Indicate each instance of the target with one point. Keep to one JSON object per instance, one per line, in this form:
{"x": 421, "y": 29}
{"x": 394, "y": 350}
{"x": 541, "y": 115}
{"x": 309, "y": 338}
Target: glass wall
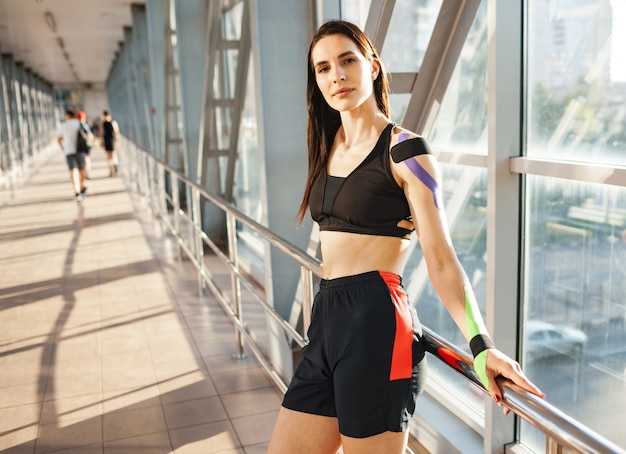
{"x": 409, "y": 32}
{"x": 573, "y": 270}
{"x": 574, "y": 344}
{"x": 462, "y": 118}
{"x": 577, "y": 80}
{"x": 575, "y": 301}
{"x": 573, "y": 233}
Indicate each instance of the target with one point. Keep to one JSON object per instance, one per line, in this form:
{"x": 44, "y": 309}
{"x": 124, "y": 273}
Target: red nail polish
{"x": 496, "y": 398}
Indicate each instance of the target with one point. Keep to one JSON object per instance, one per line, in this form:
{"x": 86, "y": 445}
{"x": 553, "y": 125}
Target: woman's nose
{"x": 339, "y": 75}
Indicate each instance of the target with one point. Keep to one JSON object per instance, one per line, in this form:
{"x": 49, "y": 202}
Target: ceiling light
{"x": 51, "y": 23}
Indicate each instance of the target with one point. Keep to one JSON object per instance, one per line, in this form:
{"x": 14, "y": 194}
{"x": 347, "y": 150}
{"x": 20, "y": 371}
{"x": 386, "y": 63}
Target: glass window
{"x": 355, "y": 11}
{"x": 397, "y": 104}
{"x": 462, "y": 117}
{"x": 410, "y": 27}
{"x": 574, "y": 345}
{"x": 577, "y": 80}
{"x": 409, "y": 32}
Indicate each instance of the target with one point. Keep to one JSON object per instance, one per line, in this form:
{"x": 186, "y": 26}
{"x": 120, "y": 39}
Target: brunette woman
{"x": 370, "y": 185}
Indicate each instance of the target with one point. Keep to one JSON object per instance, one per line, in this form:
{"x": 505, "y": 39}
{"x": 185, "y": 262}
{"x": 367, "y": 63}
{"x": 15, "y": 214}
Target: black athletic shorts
{"x": 364, "y": 362}
{"x": 76, "y": 160}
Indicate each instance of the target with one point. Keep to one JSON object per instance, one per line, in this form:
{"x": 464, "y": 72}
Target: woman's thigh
{"x": 384, "y": 443}
{"x": 298, "y": 432}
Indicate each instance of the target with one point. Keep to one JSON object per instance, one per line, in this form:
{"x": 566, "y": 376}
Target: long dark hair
{"x": 324, "y": 121}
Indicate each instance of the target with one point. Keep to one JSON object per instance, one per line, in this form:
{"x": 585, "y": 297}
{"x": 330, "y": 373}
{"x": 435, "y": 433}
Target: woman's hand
{"x": 500, "y": 365}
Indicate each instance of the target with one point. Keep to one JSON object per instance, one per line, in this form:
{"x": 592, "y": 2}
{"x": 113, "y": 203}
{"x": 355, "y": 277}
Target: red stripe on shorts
{"x": 402, "y": 355}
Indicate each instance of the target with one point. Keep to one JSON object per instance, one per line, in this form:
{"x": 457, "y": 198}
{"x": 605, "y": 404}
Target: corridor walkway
{"x": 105, "y": 346}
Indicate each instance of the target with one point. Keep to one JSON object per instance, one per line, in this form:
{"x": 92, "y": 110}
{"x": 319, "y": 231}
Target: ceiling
{"x": 75, "y": 44}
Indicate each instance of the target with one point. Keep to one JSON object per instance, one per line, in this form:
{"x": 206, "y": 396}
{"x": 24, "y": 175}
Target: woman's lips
{"x": 342, "y": 92}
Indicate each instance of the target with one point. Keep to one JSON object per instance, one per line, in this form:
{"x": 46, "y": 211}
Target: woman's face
{"x": 343, "y": 74}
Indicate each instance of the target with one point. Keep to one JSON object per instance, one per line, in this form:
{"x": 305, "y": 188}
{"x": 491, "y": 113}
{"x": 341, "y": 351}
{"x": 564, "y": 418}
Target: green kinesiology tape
{"x": 477, "y": 335}
{"x": 472, "y": 314}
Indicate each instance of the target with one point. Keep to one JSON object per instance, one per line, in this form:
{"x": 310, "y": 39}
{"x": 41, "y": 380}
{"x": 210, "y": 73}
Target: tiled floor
{"x": 105, "y": 345}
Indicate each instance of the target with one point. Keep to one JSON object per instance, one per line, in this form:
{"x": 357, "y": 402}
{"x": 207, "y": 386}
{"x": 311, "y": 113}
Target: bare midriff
{"x": 346, "y": 254}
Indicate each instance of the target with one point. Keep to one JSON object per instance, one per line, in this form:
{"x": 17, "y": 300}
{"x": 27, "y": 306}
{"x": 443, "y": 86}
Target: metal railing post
{"x": 145, "y": 166}
{"x": 148, "y": 180}
{"x": 162, "y": 195}
{"x": 153, "y": 186}
{"x": 197, "y": 234}
{"x": 553, "y": 447}
{"x": 231, "y": 230}
{"x": 175, "y": 209}
{"x": 307, "y": 299}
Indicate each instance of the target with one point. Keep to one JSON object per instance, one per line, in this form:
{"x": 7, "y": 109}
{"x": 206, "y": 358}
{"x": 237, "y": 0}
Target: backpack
{"x": 84, "y": 140}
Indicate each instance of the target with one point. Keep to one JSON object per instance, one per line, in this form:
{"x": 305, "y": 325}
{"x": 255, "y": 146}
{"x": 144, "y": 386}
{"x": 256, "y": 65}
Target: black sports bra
{"x": 369, "y": 200}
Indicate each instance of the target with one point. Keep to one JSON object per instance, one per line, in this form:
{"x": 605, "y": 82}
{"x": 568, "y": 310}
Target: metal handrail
{"x": 561, "y": 430}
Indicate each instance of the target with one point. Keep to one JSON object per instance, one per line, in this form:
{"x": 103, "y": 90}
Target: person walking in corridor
{"x": 67, "y": 133}
{"x": 109, "y": 134}
{"x": 370, "y": 185}
{"x": 82, "y": 118}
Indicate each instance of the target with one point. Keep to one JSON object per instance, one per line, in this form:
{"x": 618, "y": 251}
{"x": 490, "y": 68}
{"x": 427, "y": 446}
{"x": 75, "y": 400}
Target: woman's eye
{"x": 323, "y": 69}
{"x": 350, "y": 60}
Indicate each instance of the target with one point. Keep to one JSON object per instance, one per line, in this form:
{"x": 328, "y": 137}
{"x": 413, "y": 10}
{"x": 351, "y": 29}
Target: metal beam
{"x": 504, "y": 122}
{"x": 378, "y": 18}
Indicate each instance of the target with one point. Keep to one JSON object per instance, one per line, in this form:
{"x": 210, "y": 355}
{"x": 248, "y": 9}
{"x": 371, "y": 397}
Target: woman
{"x": 370, "y": 185}
{"x": 109, "y": 133}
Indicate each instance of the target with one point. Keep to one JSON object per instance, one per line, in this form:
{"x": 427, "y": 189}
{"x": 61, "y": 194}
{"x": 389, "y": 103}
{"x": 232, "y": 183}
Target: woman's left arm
{"x": 421, "y": 181}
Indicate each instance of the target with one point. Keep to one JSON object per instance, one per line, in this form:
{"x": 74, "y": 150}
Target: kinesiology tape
{"x": 404, "y": 151}
{"x": 477, "y": 335}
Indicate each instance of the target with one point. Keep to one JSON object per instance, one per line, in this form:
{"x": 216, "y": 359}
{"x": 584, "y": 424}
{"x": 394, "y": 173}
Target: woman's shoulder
{"x": 399, "y": 134}
{"x": 406, "y": 144}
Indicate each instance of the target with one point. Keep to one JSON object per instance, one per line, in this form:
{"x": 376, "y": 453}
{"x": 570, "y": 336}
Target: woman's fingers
{"x": 500, "y": 365}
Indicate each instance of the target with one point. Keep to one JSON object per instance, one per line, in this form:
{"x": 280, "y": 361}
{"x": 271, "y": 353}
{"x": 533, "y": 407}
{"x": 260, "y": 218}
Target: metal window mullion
{"x": 378, "y": 19}
{"x": 132, "y": 85}
{"x": 174, "y": 131}
{"x": 32, "y": 126}
{"x": 241, "y": 79}
{"x": 504, "y": 120}
{"x": 9, "y": 96}
{"x": 208, "y": 139}
{"x": 5, "y": 119}
{"x": 18, "y": 111}
{"x": 141, "y": 73}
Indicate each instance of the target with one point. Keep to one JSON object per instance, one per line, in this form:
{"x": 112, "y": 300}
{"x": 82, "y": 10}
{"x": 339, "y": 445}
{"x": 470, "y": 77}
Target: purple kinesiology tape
{"x": 415, "y": 167}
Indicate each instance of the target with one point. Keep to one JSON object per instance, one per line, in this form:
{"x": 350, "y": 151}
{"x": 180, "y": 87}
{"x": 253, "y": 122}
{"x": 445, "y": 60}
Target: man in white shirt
{"x": 66, "y": 136}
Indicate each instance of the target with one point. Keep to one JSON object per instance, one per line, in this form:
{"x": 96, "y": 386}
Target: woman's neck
{"x": 358, "y": 128}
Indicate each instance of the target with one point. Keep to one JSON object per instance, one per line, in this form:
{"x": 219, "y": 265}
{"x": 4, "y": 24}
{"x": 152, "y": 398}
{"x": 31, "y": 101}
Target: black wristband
{"x": 479, "y": 343}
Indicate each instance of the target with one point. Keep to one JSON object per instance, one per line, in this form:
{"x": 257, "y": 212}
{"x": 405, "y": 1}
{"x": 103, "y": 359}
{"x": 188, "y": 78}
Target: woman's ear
{"x": 375, "y": 68}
